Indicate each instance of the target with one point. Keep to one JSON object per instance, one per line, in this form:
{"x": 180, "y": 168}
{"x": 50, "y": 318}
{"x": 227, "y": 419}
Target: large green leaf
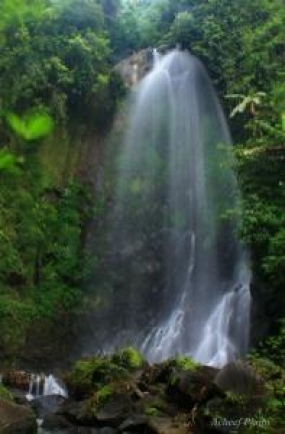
{"x": 9, "y": 161}
{"x": 32, "y": 126}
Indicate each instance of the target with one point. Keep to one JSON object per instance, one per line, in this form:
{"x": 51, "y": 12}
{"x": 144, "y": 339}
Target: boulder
{"x": 16, "y": 419}
{"x": 107, "y": 430}
{"x": 47, "y": 404}
{"x": 55, "y": 422}
{"x": 118, "y": 408}
{"x": 188, "y": 388}
{"x": 167, "y": 426}
{"x": 17, "y": 379}
{"x": 77, "y": 413}
{"x": 238, "y": 377}
{"x": 135, "y": 424}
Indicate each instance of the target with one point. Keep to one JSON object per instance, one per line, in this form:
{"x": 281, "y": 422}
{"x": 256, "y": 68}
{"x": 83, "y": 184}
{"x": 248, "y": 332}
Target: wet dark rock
{"x": 54, "y": 422}
{"x": 240, "y": 378}
{"x": 122, "y": 395}
{"x": 107, "y": 430}
{"x": 19, "y": 396}
{"x": 156, "y": 404}
{"x": 85, "y": 430}
{"x": 46, "y": 405}
{"x": 77, "y": 413}
{"x": 118, "y": 408}
{"x": 188, "y": 388}
{"x": 136, "y": 424}
{"x": 16, "y": 419}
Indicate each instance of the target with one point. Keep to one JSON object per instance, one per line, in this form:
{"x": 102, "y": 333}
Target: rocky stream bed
{"x": 124, "y": 394}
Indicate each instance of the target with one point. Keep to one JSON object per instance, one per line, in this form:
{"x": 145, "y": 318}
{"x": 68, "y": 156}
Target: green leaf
{"x": 32, "y": 126}
{"x": 8, "y": 162}
{"x": 39, "y": 125}
{"x": 17, "y": 125}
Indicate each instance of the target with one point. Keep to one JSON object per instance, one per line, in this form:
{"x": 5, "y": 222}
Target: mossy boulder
{"x": 242, "y": 409}
{"x": 5, "y": 393}
{"x": 128, "y": 358}
{"x": 91, "y": 374}
{"x": 163, "y": 372}
{"x": 94, "y": 373}
{"x": 189, "y": 388}
{"x": 184, "y": 363}
{"x": 124, "y": 392}
{"x": 240, "y": 379}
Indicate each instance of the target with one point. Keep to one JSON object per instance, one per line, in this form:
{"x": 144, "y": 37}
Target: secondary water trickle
{"x": 44, "y": 385}
{"x": 182, "y": 280}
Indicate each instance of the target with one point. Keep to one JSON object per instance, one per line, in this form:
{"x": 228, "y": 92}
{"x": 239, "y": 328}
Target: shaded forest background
{"x": 58, "y": 98}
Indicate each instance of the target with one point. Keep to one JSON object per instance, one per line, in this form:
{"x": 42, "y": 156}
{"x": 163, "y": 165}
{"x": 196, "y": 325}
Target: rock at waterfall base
{"x": 16, "y": 419}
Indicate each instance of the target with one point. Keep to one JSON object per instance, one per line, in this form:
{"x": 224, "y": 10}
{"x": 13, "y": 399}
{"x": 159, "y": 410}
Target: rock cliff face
{"x": 135, "y": 67}
{"x": 79, "y": 154}
{"x": 64, "y": 157}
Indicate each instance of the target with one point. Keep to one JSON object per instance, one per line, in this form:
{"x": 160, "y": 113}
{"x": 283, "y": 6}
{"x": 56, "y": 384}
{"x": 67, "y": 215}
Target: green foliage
{"x": 249, "y": 101}
{"x": 55, "y": 71}
{"x": 239, "y": 41}
{"x": 9, "y": 162}
{"x": 43, "y": 264}
{"x": 94, "y": 374}
{"x": 273, "y": 348}
{"x": 261, "y": 175}
{"x": 129, "y": 358}
{"x": 283, "y": 121}
{"x": 5, "y": 393}
{"x": 104, "y": 393}
{"x": 185, "y": 363}
{"x": 59, "y": 54}
{"x": 152, "y": 412}
{"x": 16, "y": 315}
{"x": 273, "y": 406}
{"x": 32, "y": 126}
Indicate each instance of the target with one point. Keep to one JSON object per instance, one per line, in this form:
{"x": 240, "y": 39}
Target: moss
{"x": 152, "y": 411}
{"x": 104, "y": 394}
{"x": 129, "y": 358}
{"x": 5, "y": 393}
{"x": 91, "y": 405}
{"x": 89, "y": 375}
{"x": 185, "y": 363}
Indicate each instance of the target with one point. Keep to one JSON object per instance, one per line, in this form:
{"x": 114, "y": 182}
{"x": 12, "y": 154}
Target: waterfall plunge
{"x": 184, "y": 280}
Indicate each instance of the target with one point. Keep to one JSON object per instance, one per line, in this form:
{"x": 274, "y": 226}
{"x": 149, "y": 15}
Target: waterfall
{"x": 44, "y": 385}
{"x": 181, "y": 282}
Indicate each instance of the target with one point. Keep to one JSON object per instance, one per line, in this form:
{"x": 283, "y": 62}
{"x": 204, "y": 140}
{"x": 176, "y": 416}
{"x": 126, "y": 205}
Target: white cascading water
{"x": 44, "y": 385}
{"x": 184, "y": 284}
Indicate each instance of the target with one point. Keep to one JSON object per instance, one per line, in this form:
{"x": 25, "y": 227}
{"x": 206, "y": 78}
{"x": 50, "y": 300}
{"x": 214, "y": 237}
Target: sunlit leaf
{"x": 39, "y": 125}
{"x": 31, "y": 127}
{"x": 17, "y": 125}
{"x": 9, "y": 161}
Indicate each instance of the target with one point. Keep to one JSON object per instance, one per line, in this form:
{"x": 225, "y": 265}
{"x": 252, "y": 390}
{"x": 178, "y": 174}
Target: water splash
{"x": 182, "y": 277}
